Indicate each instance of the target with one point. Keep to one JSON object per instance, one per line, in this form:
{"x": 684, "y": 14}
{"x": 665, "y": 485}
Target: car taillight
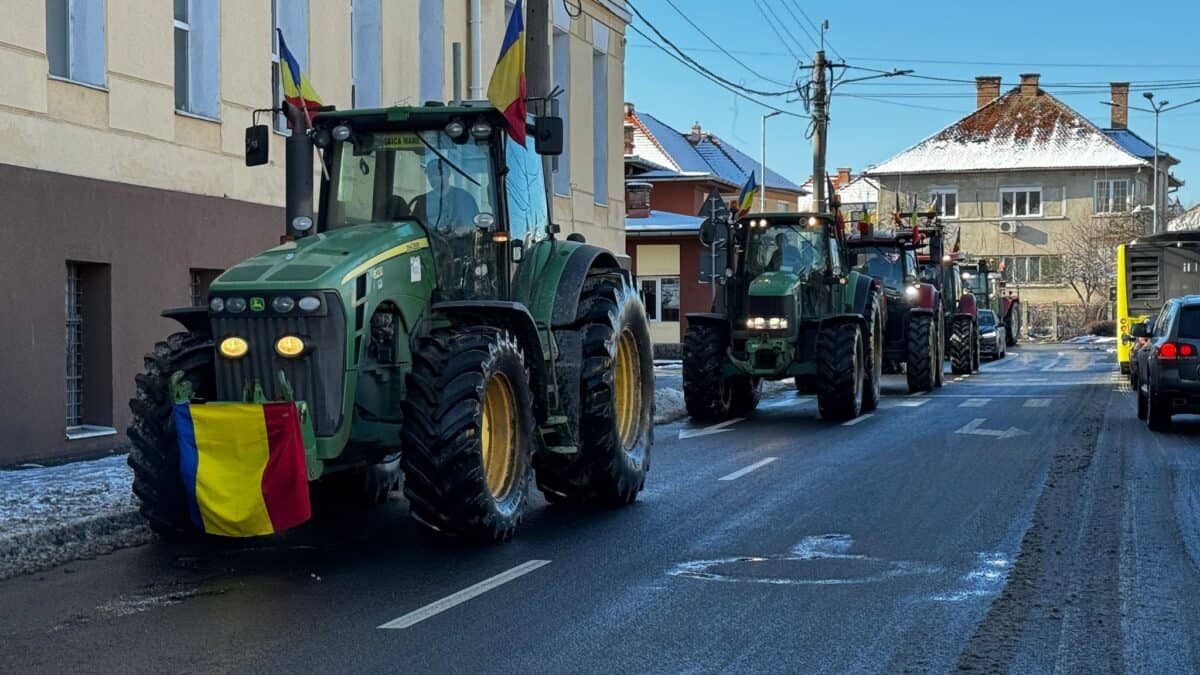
{"x": 1171, "y": 350}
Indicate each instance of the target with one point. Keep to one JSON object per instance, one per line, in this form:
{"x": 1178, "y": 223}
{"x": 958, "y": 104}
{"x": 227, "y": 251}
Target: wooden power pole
{"x": 820, "y": 117}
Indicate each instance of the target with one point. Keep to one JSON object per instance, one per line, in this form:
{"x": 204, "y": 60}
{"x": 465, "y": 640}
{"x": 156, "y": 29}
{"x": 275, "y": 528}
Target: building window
{"x": 196, "y": 51}
{"x": 75, "y": 40}
{"x": 1020, "y": 202}
{"x": 199, "y": 281}
{"x": 1112, "y": 196}
{"x": 88, "y": 385}
{"x": 291, "y": 17}
{"x": 365, "y": 61}
{"x": 561, "y": 107}
{"x": 432, "y": 58}
{"x": 661, "y": 297}
{"x": 783, "y": 207}
{"x": 945, "y": 201}
{"x": 600, "y": 112}
{"x": 1032, "y": 269}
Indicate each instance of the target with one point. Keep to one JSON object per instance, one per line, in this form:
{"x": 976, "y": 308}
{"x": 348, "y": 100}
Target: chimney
{"x": 843, "y": 178}
{"x": 1120, "y": 111}
{"x": 628, "y": 139}
{"x": 696, "y": 135}
{"x": 629, "y": 109}
{"x": 637, "y": 199}
{"x": 1029, "y": 84}
{"x": 987, "y": 88}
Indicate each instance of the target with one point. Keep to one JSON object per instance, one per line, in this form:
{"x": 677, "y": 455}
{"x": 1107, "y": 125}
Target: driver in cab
{"x": 444, "y": 206}
{"x": 785, "y": 256}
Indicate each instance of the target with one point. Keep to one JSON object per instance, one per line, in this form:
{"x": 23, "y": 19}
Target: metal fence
{"x": 1057, "y": 321}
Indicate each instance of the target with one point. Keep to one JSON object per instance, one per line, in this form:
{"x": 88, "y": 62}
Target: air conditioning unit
{"x": 1009, "y": 226}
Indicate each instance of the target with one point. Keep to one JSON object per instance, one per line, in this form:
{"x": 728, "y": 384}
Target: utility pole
{"x": 820, "y": 118}
{"x": 537, "y": 75}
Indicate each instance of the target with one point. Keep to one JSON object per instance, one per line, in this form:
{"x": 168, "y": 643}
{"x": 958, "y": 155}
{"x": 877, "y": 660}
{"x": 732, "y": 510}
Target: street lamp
{"x": 1157, "y": 108}
{"x": 762, "y": 176}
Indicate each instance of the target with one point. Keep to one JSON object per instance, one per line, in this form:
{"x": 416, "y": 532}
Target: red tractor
{"x": 912, "y": 338}
{"x": 960, "y": 310}
{"x": 986, "y": 283}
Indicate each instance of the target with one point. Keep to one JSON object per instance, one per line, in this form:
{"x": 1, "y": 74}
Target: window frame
{"x": 1026, "y": 190}
{"x": 937, "y": 195}
{"x": 657, "y": 315}
{"x": 1047, "y": 276}
{"x": 560, "y": 165}
{"x": 70, "y": 38}
{"x": 1109, "y": 184}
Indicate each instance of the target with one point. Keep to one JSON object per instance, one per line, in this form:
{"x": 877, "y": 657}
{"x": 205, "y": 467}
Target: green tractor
{"x": 788, "y": 308}
{"x": 435, "y": 326}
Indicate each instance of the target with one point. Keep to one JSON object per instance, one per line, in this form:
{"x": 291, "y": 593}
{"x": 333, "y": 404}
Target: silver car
{"x": 991, "y": 335}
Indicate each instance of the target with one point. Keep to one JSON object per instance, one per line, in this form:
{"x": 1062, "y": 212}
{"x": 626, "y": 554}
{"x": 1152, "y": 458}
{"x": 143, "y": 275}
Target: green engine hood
{"x": 325, "y": 260}
{"x": 774, "y": 284}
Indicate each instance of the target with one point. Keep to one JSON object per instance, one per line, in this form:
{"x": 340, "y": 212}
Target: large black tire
{"x": 1012, "y": 327}
{"x": 746, "y": 393}
{"x": 872, "y": 352}
{"x": 962, "y": 356}
{"x": 618, "y": 369}
{"x": 976, "y": 347}
{"x": 922, "y": 353}
{"x": 940, "y": 341}
{"x": 840, "y": 371}
{"x": 1143, "y": 405}
{"x": 155, "y": 454}
{"x": 1158, "y": 415}
{"x": 707, "y": 394}
{"x": 445, "y": 480}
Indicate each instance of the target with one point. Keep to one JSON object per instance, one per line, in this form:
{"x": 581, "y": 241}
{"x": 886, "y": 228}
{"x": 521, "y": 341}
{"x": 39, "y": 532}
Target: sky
{"x": 1077, "y": 48}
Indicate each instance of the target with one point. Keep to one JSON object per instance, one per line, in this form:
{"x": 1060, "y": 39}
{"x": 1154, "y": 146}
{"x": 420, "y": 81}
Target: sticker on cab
{"x": 414, "y": 269}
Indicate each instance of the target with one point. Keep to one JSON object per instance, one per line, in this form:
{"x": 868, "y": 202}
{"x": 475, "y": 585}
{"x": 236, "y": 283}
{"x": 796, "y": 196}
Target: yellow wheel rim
{"x": 498, "y": 436}
{"x": 628, "y": 386}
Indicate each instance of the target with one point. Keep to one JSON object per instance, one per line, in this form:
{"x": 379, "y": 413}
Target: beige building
{"x": 1022, "y": 174}
{"x": 122, "y": 168}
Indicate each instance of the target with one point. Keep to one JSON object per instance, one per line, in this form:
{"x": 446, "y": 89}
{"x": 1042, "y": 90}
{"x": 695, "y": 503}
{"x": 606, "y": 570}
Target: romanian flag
{"x": 243, "y": 467}
{"x": 746, "y": 198}
{"x": 506, "y": 91}
{"x": 297, "y": 90}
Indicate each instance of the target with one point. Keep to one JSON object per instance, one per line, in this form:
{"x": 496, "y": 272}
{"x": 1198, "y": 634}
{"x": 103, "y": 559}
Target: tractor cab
{"x": 781, "y": 256}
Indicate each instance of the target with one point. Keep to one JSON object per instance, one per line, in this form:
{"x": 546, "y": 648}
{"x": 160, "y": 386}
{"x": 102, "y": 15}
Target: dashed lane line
{"x": 717, "y": 428}
{"x": 975, "y": 403}
{"x": 856, "y": 420}
{"x": 1037, "y": 403}
{"x": 914, "y": 403}
{"x": 747, "y": 469}
{"x": 434, "y": 608}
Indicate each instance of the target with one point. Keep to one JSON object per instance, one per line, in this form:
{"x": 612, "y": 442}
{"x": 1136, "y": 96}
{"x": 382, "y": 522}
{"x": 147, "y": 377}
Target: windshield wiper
{"x": 446, "y": 159}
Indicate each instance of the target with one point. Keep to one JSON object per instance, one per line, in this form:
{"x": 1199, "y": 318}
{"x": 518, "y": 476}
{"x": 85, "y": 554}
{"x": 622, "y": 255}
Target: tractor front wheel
{"x": 873, "y": 352}
{"x": 616, "y": 425}
{"x": 922, "y": 353}
{"x": 468, "y": 431}
{"x": 155, "y": 454}
{"x": 840, "y": 371}
{"x": 707, "y": 394}
{"x": 962, "y": 355}
{"x": 746, "y": 392}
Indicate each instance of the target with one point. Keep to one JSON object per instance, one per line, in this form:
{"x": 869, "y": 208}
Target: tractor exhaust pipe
{"x": 298, "y": 175}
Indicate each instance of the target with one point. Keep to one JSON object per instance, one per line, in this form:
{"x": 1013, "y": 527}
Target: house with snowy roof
{"x": 1022, "y": 172}
{"x": 1188, "y": 220}
{"x": 669, "y": 175}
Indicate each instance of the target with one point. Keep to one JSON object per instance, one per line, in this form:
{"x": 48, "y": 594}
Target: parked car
{"x": 992, "y": 336}
{"x": 1168, "y": 378}
{"x": 1138, "y": 343}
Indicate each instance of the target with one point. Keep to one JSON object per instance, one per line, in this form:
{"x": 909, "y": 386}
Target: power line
{"x": 819, "y": 32}
{"x": 815, "y": 42}
{"x": 877, "y": 99}
{"x": 775, "y": 28}
{"x": 724, "y": 51}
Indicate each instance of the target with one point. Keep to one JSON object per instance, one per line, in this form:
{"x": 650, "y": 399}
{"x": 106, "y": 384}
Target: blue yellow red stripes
{"x": 746, "y": 198}
{"x": 297, "y": 90}
{"x": 507, "y": 88}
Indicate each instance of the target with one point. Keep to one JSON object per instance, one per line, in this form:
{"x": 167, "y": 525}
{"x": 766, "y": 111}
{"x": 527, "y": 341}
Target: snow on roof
{"x": 663, "y": 221}
{"x": 1014, "y": 132}
{"x": 1188, "y": 220}
{"x": 861, "y": 190}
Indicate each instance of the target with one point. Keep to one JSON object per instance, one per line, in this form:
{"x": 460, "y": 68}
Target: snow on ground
{"x": 52, "y": 515}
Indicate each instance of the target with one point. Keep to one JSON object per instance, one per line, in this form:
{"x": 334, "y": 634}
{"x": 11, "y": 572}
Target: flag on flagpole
{"x": 243, "y": 467}
{"x": 957, "y": 240}
{"x": 297, "y": 90}
{"x": 746, "y": 198}
{"x": 506, "y": 90}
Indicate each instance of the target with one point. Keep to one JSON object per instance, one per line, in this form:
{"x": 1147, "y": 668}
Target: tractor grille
{"x": 316, "y": 377}
{"x": 765, "y": 359}
{"x": 764, "y": 305}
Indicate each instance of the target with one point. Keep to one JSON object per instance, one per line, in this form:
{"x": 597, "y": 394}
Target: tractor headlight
{"x": 234, "y": 347}
{"x": 777, "y": 323}
{"x": 289, "y": 346}
{"x": 341, "y": 132}
{"x": 756, "y": 323}
{"x": 309, "y": 303}
{"x": 481, "y": 130}
{"x": 216, "y": 305}
{"x": 911, "y": 292}
{"x": 283, "y": 304}
{"x": 236, "y": 305}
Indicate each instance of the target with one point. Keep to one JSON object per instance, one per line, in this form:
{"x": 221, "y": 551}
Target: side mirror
{"x": 258, "y": 144}
{"x": 548, "y": 135}
{"x": 1140, "y": 330}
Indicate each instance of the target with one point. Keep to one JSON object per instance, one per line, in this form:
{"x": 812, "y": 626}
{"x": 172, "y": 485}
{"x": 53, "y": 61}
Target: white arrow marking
{"x": 974, "y": 428}
{"x": 435, "y": 608}
{"x": 745, "y": 470}
{"x": 705, "y": 431}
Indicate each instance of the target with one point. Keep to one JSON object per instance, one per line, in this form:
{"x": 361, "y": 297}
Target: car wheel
{"x": 1158, "y": 416}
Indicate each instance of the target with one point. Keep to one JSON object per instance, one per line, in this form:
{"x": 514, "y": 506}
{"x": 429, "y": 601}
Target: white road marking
{"x": 706, "y": 431}
{"x": 990, "y": 395}
{"x": 435, "y": 608}
{"x": 975, "y": 403}
{"x": 915, "y": 403}
{"x": 856, "y": 420}
{"x": 1037, "y": 403}
{"x": 745, "y": 470}
{"x": 974, "y": 428}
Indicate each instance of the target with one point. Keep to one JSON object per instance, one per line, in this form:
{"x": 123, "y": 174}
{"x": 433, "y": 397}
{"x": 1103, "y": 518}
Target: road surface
{"x": 1020, "y": 519}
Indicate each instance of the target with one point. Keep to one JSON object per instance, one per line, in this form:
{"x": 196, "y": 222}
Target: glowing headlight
{"x": 236, "y": 305}
{"x": 216, "y": 305}
{"x": 283, "y": 304}
{"x": 777, "y": 323}
{"x": 911, "y": 292}
{"x": 234, "y": 347}
{"x": 756, "y": 323}
{"x": 309, "y": 303}
{"x": 289, "y": 346}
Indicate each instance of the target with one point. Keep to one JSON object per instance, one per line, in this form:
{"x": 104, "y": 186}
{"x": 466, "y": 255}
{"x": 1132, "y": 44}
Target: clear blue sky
{"x": 1082, "y": 44}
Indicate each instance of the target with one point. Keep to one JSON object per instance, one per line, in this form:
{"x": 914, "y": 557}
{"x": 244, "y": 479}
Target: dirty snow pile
{"x": 52, "y": 515}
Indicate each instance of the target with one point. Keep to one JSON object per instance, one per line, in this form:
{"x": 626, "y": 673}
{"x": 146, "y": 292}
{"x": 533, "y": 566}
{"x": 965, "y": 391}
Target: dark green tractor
{"x": 430, "y": 319}
{"x": 788, "y": 308}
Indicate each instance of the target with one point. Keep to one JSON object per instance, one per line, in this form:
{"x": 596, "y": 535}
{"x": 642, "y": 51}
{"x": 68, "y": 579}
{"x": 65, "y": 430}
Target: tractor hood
{"x": 323, "y": 260}
{"x": 774, "y": 284}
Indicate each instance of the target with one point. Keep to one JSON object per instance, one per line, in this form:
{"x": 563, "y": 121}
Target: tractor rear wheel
{"x": 961, "y": 354}
{"x": 922, "y": 353}
{"x": 746, "y": 393}
{"x": 873, "y": 352}
{"x": 616, "y": 425}
{"x": 468, "y": 431}
{"x": 840, "y": 371}
{"x": 976, "y": 346}
{"x": 155, "y": 454}
{"x": 707, "y": 394}
{"x": 940, "y": 346}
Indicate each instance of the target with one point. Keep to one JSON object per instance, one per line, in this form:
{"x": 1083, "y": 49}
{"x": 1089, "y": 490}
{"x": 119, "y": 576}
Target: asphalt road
{"x": 1020, "y": 519}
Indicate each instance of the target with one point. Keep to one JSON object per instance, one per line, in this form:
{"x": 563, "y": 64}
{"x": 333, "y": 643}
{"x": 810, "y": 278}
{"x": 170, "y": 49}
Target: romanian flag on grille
{"x": 297, "y": 90}
{"x": 243, "y": 467}
{"x": 506, "y": 91}
{"x": 746, "y": 198}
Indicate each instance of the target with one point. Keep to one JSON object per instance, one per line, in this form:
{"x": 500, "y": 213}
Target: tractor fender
{"x": 927, "y": 297}
{"x": 193, "y": 319}
{"x": 862, "y": 288}
{"x": 720, "y": 322}
{"x": 516, "y": 319}
{"x": 966, "y": 305}
{"x": 583, "y": 261}
{"x": 846, "y": 317}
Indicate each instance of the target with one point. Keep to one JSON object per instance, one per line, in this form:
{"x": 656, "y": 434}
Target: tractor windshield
{"x": 786, "y": 248}
{"x": 975, "y": 283}
{"x": 883, "y": 263}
